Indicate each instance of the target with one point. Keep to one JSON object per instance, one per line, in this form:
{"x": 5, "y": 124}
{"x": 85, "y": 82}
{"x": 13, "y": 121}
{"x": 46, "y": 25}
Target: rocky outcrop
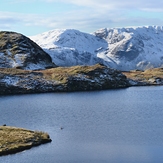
{"x": 77, "y": 78}
{"x": 18, "y": 51}
{"x": 97, "y": 78}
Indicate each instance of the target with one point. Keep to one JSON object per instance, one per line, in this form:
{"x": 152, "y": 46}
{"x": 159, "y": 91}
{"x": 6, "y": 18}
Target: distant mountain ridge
{"x": 120, "y": 48}
{"x": 18, "y": 51}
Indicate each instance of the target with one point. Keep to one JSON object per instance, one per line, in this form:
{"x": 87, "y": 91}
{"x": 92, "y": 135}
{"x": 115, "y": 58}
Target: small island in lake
{"x": 13, "y": 139}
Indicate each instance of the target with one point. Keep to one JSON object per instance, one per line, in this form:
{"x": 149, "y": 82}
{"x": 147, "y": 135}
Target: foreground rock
{"x": 77, "y": 78}
{"x": 13, "y": 140}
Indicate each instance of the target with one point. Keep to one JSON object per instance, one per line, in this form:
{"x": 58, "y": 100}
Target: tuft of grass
{"x": 13, "y": 140}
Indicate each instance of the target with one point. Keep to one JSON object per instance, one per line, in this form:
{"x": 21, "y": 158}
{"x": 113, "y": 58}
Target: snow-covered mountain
{"x": 119, "y": 48}
{"x": 18, "y": 51}
{"x": 70, "y": 47}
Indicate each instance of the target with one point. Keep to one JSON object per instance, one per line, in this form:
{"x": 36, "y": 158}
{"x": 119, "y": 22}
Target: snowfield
{"x": 120, "y": 48}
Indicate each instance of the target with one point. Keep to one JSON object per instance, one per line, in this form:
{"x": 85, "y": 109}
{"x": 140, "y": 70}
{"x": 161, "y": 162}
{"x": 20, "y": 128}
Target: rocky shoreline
{"x": 76, "y": 78}
{"x": 60, "y": 79}
{"x": 14, "y": 140}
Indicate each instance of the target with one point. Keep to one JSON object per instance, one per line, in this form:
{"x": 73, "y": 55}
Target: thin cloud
{"x": 150, "y": 5}
{"x": 93, "y": 15}
{"x": 7, "y": 20}
{"x": 155, "y": 5}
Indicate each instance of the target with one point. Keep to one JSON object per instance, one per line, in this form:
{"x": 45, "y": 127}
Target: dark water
{"x": 114, "y": 126}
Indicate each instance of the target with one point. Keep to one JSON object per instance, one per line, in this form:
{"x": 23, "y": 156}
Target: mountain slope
{"x": 133, "y": 48}
{"x": 70, "y": 47}
{"x": 119, "y": 48}
{"x": 19, "y": 51}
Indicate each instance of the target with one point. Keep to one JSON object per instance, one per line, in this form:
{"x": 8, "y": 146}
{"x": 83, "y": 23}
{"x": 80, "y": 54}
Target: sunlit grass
{"x": 145, "y": 75}
{"x": 63, "y": 73}
{"x": 14, "y": 139}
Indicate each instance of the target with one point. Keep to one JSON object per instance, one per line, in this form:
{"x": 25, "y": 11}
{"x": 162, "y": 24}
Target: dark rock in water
{"x": 18, "y": 51}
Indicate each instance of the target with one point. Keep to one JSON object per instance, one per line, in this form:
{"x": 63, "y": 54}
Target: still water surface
{"x": 114, "y": 126}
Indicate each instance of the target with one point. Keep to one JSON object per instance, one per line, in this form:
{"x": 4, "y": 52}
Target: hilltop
{"x": 18, "y": 51}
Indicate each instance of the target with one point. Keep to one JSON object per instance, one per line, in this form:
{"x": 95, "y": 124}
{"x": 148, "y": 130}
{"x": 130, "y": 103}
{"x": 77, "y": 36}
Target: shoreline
{"x": 74, "y": 79}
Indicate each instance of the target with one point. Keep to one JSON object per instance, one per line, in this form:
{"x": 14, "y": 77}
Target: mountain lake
{"x": 111, "y": 126}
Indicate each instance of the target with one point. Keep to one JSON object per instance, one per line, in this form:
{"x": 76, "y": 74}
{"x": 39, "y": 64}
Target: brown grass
{"x": 14, "y": 139}
{"x": 13, "y": 71}
{"x": 62, "y": 73}
{"x": 145, "y": 75}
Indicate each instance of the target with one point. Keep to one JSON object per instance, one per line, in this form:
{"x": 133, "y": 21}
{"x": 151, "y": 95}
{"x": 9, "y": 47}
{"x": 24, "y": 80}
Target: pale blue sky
{"x": 31, "y": 17}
